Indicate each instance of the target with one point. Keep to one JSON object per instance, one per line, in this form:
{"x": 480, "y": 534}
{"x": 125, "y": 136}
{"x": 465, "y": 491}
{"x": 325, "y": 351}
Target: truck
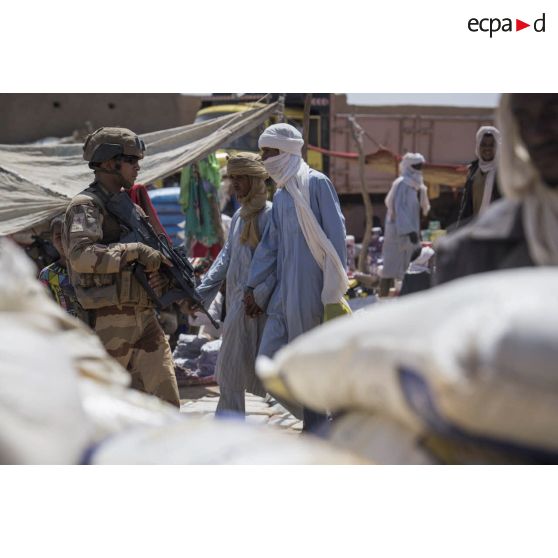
{"x": 444, "y": 135}
{"x": 220, "y": 104}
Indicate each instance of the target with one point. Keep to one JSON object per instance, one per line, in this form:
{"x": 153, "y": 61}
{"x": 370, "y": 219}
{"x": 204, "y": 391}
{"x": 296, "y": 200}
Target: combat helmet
{"x": 106, "y": 143}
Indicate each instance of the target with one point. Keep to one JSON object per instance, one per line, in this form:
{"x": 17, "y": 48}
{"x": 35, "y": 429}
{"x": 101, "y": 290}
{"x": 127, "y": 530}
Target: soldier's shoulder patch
{"x": 78, "y": 222}
{"x": 86, "y": 218}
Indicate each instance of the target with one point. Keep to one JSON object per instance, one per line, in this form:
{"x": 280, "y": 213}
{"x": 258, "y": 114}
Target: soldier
{"x": 100, "y": 267}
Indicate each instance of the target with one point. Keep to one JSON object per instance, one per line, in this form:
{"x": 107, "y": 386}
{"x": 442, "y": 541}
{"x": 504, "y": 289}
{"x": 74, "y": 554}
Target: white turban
{"x": 413, "y": 178}
{"x": 410, "y": 159}
{"x": 283, "y": 137}
{"x": 488, "y": 167}
{"x": 290, "y": 171}
{"x": 488, "y": 131}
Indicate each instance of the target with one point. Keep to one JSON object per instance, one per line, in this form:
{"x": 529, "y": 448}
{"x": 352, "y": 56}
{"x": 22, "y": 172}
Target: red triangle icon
{"x": 519, "y": 25}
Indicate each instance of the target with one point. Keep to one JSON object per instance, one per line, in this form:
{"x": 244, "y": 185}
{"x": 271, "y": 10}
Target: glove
{"x": 413, "y": 237}
{"x": 148, "y": 257}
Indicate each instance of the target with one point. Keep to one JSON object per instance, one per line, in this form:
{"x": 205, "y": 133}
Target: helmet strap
{"x": 116, "y": 172}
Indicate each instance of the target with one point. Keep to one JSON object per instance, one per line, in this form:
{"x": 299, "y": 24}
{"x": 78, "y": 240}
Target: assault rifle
{"x": 181, "y": 274}
{"x": 42, "y": 252}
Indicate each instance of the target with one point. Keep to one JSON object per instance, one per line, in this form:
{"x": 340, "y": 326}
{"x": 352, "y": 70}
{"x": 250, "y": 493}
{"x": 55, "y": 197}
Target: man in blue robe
{"x": 297, "y": 302}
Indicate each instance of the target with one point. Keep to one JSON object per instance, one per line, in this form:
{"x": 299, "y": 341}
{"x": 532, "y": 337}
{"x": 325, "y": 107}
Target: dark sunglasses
{"x": 130, "y": 159}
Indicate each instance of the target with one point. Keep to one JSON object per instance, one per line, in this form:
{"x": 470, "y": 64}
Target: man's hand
{"x": 189, "y": 308}
{"x": 251, "y": 308}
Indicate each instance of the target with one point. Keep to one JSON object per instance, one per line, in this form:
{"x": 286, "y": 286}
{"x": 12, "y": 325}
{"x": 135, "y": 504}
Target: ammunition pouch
{"x": 96, "y": 290}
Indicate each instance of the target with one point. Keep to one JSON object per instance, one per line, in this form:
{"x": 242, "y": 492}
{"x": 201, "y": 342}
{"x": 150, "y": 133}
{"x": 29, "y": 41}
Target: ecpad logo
{"x": 494, "y": 24}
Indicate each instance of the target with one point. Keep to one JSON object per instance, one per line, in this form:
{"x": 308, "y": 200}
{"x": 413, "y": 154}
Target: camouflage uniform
{"x": 121, "y": 313}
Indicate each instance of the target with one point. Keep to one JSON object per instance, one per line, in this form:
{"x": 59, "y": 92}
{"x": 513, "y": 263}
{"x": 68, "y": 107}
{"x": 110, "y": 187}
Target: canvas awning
{"x": 37, "y": 181}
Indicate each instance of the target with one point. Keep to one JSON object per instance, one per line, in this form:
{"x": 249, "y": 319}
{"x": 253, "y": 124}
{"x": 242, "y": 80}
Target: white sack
{"x": 479, "y": 354}
{"x": 199, "y": 442}
{"x": 41, "y": 417}
{"x": 60, "y": 392}
{"x": 379, "y": 439}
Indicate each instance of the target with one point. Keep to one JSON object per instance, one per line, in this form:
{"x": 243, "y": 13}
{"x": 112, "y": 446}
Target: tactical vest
{"x": 100, "y": 290}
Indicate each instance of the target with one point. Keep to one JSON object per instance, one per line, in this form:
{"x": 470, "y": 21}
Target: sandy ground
{"x": 201, "y": 401}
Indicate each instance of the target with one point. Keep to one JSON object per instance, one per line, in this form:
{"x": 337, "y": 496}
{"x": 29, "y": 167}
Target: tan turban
{"x": 249, "y": 164}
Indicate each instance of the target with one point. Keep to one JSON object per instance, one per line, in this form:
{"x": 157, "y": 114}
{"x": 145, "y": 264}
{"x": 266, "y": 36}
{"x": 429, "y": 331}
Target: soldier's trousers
{"x": 134, "y": 337}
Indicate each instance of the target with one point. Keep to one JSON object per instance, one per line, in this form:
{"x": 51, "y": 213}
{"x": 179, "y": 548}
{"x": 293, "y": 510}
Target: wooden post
{"x": 306, "y": 124}
{"x": 358, "y": 133}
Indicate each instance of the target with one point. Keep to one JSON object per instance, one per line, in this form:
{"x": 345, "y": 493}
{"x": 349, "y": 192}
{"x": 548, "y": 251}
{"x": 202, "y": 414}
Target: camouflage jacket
{"x": 97, "y": 260}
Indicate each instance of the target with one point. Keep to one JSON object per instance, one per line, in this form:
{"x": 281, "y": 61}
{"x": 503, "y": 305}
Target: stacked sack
{"x": 195, "y": 358}
{"x": 165, "y": 201}
{"x": 64, "y": 400}
{"x": 464, "y": 373}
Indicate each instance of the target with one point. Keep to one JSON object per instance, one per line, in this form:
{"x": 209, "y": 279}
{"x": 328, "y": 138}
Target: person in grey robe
{"x": 235, "y": 368}
{"x": 404, "y": 202}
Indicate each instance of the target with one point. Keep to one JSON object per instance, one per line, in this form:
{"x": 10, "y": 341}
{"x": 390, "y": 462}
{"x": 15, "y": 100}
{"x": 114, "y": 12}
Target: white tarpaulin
{"x": 37, "y": 181}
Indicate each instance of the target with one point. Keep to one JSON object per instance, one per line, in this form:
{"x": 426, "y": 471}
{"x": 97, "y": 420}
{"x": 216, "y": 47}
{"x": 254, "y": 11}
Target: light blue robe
{"x": 295, "y": 306}
{"x": 398, "y": 248}
{"x": 235, "y": 370}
